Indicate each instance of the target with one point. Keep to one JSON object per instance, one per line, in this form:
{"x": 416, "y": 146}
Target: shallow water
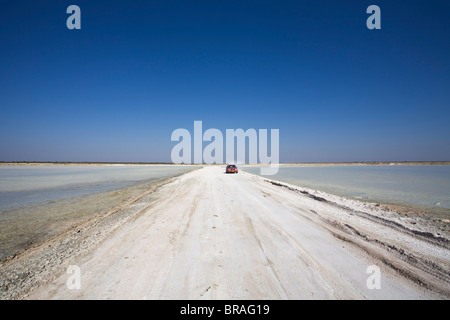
{"x": 40, "y": 202}
{"x": 416, "y": 185}
{"x": 28, "y": 185}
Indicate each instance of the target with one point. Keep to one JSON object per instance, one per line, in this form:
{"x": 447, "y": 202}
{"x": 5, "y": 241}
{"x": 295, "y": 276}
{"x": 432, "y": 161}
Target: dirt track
{"x": 211, "y": 235}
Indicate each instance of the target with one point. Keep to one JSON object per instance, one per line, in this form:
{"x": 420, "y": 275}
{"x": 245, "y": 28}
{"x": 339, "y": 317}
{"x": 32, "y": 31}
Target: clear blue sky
{"x": 137, "y": 70}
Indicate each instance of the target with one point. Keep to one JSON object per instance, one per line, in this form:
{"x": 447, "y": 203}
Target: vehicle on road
{"x": 231, "y": 168}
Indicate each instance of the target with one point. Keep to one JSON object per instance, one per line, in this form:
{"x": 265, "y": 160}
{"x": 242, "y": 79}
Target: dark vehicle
{"x": 231, "y": 168}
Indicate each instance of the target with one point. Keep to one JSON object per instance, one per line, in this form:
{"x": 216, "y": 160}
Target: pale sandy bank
{"x": 209, "y": 235}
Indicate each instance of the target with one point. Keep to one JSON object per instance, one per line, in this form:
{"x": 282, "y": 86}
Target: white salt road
{"x": 213, "y": 235}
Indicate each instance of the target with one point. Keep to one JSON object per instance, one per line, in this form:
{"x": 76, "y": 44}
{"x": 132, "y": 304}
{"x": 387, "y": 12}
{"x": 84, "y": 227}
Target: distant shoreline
{"x": 49, "y": 163}
{"x": 367, "y": 163}
{"x": 371, "y": 163}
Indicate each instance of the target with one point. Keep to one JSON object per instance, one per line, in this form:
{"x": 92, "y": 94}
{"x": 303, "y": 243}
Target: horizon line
{"x": 404, "y": 162}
